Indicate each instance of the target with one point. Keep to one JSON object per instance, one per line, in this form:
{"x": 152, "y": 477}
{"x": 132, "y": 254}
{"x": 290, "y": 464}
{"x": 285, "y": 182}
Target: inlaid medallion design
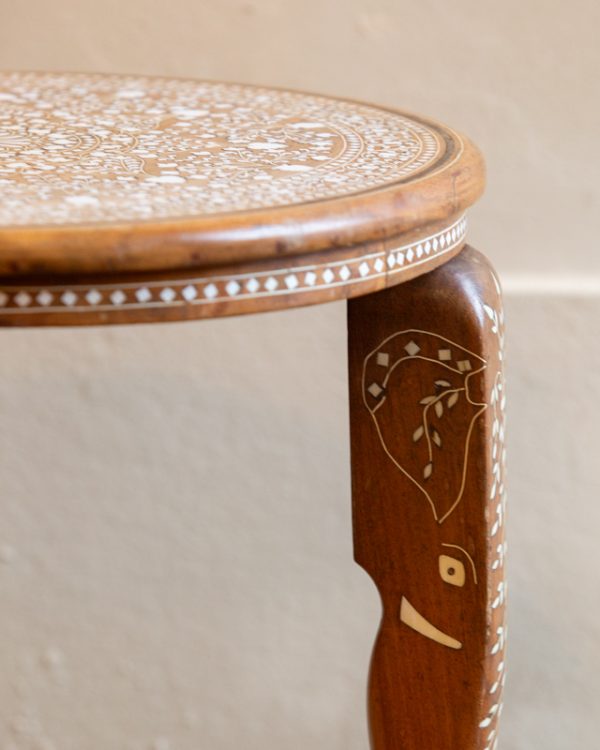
{"x": 78, "y": 148}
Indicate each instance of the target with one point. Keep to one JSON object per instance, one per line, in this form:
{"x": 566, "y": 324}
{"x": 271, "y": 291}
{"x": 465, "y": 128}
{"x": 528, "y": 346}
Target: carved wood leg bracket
{"x": 427, "y": 430}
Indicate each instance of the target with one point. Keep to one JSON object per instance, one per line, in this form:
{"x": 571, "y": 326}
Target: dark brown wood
{"x": 427, "y": 430}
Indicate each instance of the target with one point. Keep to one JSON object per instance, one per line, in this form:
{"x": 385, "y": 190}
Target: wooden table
{"x": 127, "y": 199}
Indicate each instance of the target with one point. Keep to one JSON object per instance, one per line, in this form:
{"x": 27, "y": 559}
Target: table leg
{"x": 427, "y": 430}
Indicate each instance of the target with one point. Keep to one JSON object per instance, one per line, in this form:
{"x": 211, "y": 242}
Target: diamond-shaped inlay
{"x": 411, "y": 348}
{"x": 383, "y": 359}
{"x": 444, "y": 355}
{"x": 464, "y": 365}
{"x": 23, "y": 299}
{"x": 68, "y": 298}
{"x": 189, "y": 293}
{"x": 118, "y": 297}
{"x": 44, "y": 298}
{"x": 167, "y": 294}
{"x": 280, "y": 281}
{"x": 93, "y": 297}
{"x": 375, "y": 390}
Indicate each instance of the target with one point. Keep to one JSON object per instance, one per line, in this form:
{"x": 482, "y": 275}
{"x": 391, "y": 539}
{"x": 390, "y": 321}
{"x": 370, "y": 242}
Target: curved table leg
{"x": 427, "y": 430}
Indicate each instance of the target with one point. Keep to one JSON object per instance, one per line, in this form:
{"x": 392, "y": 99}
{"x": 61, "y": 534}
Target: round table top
{"x": 221, "y": 188}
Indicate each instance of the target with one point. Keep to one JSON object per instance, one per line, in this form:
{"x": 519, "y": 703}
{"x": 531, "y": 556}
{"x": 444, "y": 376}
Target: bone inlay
{"x": 86, "y": 148}
{"x": 496, "y": 511}
{"x": 415, "y": 453}
{"x": 418, "y": 458}
{"x": 210, "y": 290}
{"x": 452, "y": 570}
{"x": 409, "y": 616}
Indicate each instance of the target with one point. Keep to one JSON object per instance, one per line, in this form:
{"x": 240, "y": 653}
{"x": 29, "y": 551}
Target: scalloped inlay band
{"x": 212, "y": 290}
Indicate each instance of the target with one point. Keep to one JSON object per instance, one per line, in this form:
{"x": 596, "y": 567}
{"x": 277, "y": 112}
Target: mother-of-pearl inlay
{"x": 77, "y": 148}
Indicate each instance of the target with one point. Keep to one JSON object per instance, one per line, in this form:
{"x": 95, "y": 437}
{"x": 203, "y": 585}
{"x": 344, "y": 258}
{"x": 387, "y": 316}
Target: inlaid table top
{"x": 127, "y": 198}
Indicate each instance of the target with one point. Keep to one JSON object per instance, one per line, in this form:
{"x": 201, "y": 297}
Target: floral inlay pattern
{"x": 412, "y": 434}
{"x": 444, "y": 370}
{"x": 80, "y": 148}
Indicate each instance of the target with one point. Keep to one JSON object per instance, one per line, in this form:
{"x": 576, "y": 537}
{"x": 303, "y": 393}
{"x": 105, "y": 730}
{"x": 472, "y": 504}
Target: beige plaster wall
{"x": 174, "y": 524}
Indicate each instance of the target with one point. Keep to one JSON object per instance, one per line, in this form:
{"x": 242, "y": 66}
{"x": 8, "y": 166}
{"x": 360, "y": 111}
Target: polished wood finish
{"x": 427, "y": 430}
{"x": 129, "y": 199}
{"x": 134, "y": 199}
{"x": 293, "y": 174}
{"x": 246, "y": 288}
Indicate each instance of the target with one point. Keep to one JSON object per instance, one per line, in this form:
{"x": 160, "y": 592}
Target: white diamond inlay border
{"x": 211, "y": 289}
{"x": 44, "y": 298}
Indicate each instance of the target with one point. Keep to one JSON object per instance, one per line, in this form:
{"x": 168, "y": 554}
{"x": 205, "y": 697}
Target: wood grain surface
{"x": 427, "y": 430}
{"x": 150, "y": 297}
{"x": 105, "y": 173}
{"x": 133, "y": 199}
{"x": 139, "y": 199}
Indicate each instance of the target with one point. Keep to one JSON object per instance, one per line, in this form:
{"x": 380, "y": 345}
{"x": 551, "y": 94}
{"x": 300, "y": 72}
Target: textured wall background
{"x": 174, "y": 501}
